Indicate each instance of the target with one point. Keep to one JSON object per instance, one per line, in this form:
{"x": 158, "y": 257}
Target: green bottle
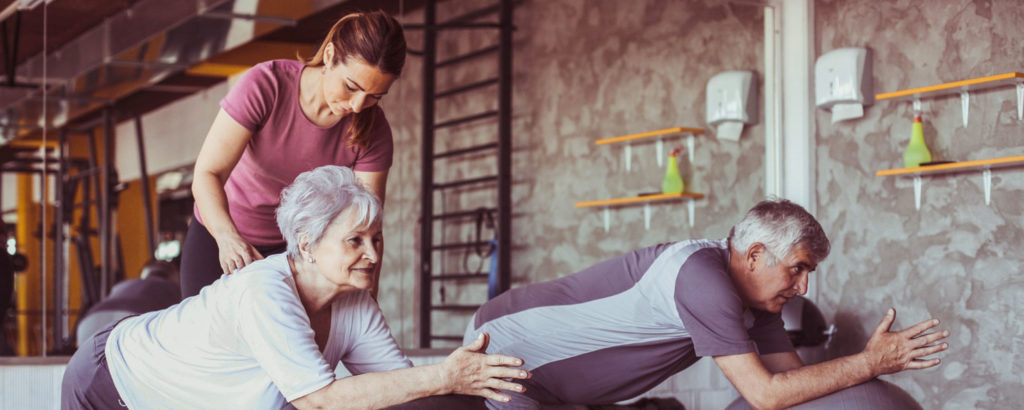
{"x": 673, "y": 182}
{"x": 916, "y": 152}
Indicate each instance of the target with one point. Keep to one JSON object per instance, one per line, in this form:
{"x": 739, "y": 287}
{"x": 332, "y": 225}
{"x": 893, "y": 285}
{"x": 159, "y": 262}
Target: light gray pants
{"x": 87, "y": 383}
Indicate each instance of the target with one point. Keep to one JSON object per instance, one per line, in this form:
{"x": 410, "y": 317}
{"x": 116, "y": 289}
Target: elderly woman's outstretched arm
{"x": 468, "y": 370}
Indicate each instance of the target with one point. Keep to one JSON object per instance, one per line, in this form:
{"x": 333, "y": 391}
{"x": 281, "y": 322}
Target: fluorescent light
{"x": 31, "y": 4}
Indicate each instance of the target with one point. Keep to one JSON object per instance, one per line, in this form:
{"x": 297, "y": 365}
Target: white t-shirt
{"x": 245, "y": 342}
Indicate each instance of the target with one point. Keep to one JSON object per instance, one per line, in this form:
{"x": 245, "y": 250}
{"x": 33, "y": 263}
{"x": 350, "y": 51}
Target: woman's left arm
{"x": 377, "y": 184}
{"x": 374, "y": 348}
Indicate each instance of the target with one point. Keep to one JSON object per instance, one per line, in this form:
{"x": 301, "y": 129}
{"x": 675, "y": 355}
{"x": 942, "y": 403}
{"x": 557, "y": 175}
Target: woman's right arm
{"x": 221, "y": 151}
{"x": 468, "y": 370}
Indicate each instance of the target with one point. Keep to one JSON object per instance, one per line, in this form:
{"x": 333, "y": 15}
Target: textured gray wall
{"x": 584, "y": 70}
{"x": 956, "y": 259}
{"x": 591, "y": 69}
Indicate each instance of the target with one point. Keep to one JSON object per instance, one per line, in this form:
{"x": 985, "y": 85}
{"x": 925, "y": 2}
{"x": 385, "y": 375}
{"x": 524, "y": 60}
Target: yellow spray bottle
{"x": 916, "y": 152}
{"x": 673, "y": 182}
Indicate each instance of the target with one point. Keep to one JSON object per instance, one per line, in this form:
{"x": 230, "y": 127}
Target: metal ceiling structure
{"x": 74, "y": 67}
{"x": 137, "y": 55}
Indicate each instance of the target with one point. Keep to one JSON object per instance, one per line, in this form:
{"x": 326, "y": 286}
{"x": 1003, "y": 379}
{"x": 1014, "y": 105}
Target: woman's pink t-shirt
{"x": 284, "y": 144}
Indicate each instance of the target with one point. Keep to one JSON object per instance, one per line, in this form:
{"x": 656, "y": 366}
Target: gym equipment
{"x": 807, "y": 329}
{"x": 156, "y": 290}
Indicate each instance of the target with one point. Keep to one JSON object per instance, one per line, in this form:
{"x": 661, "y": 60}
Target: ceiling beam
{"x": 241, "y": 58}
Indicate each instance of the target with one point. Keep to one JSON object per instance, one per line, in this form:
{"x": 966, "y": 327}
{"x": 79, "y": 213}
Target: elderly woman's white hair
{"x": 781, "y": 226}
{"x": 316, "y": 197}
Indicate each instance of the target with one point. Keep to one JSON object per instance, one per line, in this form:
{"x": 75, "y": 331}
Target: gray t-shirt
{"x": 618, "y": 328}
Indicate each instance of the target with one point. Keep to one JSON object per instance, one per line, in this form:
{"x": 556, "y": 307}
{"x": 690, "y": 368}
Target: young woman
{"x": 282, "y": 118}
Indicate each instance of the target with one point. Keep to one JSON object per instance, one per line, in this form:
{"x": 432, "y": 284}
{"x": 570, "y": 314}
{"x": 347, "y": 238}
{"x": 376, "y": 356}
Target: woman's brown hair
{"x": 376, "y": 38}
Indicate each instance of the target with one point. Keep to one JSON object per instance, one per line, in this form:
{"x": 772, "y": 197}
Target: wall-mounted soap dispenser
{"x": 842, "y": 82}
{"x": 731, "y": 102}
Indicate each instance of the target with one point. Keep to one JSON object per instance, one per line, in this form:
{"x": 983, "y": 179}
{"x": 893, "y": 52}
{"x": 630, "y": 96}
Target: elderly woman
{"x": 273, "y": 333}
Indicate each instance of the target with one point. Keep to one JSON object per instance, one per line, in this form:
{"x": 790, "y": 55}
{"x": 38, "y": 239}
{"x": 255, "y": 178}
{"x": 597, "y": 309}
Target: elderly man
{"x": 619, "y": 328}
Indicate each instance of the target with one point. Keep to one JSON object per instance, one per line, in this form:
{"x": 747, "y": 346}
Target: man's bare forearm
{"x": 796, "y": 386}
{"x": 886, "y": 352}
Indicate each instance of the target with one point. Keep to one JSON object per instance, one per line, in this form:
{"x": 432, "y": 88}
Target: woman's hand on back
{"x": 470, "y": 370}
{"x": 235, "y": 253}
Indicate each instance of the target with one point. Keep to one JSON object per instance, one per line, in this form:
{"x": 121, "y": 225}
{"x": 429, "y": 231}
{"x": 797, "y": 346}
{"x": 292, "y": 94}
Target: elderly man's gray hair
{"x": 781, "y": 226}
{"x": 312, "y": 201}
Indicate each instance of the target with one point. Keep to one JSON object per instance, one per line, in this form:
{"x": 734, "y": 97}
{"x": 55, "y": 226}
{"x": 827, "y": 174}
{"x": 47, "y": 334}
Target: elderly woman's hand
{"x": 469, "y": 370}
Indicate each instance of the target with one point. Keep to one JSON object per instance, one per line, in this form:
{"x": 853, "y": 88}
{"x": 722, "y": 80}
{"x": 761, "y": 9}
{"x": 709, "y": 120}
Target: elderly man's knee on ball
{"x": 273, "y": 333}
{"x": 621, "y": 327}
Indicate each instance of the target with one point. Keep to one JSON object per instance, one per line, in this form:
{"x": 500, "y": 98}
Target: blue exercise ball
{"x": 873, "y": 394}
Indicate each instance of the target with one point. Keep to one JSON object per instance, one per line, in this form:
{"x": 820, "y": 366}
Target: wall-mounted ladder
{"x": 498, "y": 278}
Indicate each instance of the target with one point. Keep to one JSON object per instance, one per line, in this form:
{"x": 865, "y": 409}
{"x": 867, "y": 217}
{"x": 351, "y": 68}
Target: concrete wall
{"x": 586, "y": 70}
{"x": 956, "y": 259}
{"x": 9, "y": 192}
{"x": 583, "y": 71}
{"x": 173, "y": 134}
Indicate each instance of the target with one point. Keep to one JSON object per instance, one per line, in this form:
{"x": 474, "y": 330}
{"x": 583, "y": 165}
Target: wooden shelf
{"x": 963, "y": 88}
{"x": 981, "y": 164}
{"x": 955, "y": 87}
{"x": 638, "y": 199}
{"x": 649, "y": 134}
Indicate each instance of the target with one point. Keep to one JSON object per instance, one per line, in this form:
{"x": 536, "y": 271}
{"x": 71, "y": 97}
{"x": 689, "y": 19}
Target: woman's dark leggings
{"x": 200, "y": 259}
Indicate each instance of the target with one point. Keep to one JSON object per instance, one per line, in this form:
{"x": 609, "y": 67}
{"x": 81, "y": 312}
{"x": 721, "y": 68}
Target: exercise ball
{"x": 127, "y": 298}
{"x": 873, "y": 394}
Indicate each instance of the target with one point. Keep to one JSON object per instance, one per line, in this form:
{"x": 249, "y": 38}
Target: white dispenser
{"x": 842, "y": 82}
{"x": 731, "y": 102}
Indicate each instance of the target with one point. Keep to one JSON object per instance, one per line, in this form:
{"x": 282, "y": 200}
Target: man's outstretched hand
{"x": 891, "y": 352}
